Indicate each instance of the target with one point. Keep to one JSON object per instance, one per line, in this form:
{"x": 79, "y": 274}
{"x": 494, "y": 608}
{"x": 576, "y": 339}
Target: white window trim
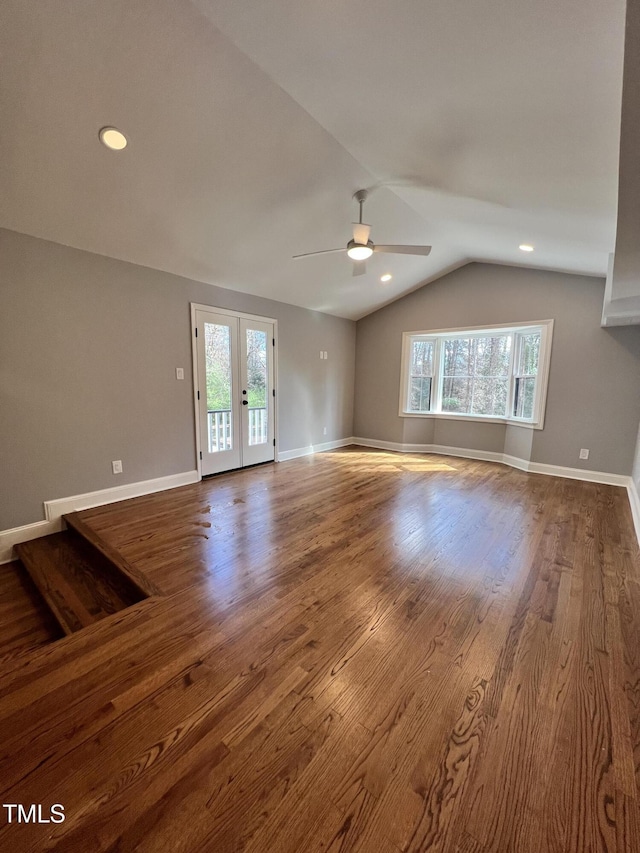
{"x": 544, "y": 363}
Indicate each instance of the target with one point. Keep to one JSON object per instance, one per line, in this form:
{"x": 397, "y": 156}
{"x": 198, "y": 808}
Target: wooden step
{"x": 136, "y": 577}
{"x": 26, "y": 622}
{"x": 79, "y": 584}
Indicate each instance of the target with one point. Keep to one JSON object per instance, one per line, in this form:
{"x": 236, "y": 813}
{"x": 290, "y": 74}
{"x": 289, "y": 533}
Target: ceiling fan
{"x": 361, "y": 247}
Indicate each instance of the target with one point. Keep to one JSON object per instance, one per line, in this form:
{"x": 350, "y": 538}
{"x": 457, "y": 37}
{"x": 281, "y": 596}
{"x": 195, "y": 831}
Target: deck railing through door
{"x": 220, "y": 428}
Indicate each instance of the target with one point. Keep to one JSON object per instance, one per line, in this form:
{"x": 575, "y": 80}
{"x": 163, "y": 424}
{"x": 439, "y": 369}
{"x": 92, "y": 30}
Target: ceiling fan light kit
{"x": 361, "y": 247}
{"x": 359, "y": 251}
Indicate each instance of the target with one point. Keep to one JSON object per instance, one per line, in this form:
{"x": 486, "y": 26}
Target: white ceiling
{"x": 480, "y": 125}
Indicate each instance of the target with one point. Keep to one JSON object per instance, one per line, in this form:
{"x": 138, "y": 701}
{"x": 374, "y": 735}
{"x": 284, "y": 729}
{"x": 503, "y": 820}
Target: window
{"x": 526, "y": 372}
{"x": 497, "y": 373}
{"x": 475, "y": 374}
{"x": 421, "y": 374}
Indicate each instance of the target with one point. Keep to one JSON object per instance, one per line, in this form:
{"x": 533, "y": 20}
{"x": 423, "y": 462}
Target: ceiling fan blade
{"x": 361, "y": 233}
{"x": 323, "y": 252}
{"x": 404, "y": 250}
{"x": 359, "y": 268}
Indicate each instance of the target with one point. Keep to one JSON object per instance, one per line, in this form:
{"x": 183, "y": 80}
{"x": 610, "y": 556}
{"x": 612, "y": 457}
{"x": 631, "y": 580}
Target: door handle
{"x": 245, "y": 402}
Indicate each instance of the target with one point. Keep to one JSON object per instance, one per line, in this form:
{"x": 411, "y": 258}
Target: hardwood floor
{"x": 25, "y": 623}
{"x": 78, "y": 584}
{"x": 357, "y": 651}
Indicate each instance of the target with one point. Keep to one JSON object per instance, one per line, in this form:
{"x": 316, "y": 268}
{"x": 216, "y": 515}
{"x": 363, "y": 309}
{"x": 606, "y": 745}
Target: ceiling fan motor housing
{"x": 352, "y": 244}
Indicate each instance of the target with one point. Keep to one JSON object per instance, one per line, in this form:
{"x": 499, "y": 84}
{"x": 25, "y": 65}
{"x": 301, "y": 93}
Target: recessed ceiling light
{"x": 386, "y": 277}
{"x": 113, "y": 138}
{"x": 525, "y": 247}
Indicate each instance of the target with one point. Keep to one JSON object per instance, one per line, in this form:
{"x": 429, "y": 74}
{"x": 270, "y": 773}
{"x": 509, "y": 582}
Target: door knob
{"x": 245, "y": 402}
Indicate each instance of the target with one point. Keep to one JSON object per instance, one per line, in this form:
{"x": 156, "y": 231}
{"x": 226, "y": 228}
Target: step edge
{"x": 37, "y": 575}
{"x": 141, "y": 582}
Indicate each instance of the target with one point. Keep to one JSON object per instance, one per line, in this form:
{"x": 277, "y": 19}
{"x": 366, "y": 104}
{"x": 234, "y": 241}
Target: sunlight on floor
{"x": 396, "y": 462}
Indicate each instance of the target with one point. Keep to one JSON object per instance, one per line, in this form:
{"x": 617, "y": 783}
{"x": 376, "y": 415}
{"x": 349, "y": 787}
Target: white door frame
{"x": 196, "y": 306}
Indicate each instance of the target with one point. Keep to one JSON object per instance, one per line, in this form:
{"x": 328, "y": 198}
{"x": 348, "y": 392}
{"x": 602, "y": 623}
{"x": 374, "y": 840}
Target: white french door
{"x": 234, "y": 361}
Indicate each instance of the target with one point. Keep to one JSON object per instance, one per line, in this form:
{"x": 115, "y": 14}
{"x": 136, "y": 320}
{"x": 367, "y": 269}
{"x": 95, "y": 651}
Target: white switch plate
{"x": 117, "y": 466}
{"x": 325, "y": 353}
{"x": 179, "y": 372}
{"x": 324, "y": 430}
{"x": 584, "y": 453}
{"x": 321, "y": 354}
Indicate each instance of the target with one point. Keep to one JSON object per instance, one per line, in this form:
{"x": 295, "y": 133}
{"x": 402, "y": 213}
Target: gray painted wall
{"x": 518, "y": 442}
{"x": 595, "y": 372}
{"x": 88, "y": 351}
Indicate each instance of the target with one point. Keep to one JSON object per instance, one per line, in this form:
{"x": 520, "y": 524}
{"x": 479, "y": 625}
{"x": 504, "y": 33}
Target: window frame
{"x": 545, "y": 327}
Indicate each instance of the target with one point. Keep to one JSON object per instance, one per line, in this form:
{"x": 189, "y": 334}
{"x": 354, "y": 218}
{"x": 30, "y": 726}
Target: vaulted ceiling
{"x": 477, "y": 125}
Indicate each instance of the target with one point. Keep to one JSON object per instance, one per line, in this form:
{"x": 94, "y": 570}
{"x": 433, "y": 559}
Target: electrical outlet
{"x": 584, "y": 453}
{"x": 324, "y": 430}
{"x": 179, "y": 372}
{"x": 116, "y": 466}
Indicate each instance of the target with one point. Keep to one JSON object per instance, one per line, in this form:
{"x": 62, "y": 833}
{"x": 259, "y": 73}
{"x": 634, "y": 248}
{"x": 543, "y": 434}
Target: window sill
{"x": 485, "y": 419}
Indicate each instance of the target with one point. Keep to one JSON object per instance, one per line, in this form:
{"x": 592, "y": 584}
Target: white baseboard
{"x": 54, "y": 510}
{"x": 634, "y": 500}
{"x": 285, "y": 455}
{"x": 391, "y": 445}
{"x": 465, "y": 453}
{"x": 503, "y": 458}
{"x": 516, "y": 462}
{"x": 580, "y": 474}
{"x": 9, "y": 538}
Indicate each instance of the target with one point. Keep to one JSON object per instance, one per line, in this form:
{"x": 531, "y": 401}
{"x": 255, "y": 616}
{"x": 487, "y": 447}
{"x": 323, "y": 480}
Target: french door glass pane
{"x": 217, "y": 348}
{"x": 257, "y": 384}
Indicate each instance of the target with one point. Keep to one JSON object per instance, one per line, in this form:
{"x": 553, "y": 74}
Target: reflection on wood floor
{"x": 355, "y": 651}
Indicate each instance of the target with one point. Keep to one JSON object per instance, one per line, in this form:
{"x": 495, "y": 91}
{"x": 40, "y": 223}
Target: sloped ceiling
{"x": 478, "y": 126}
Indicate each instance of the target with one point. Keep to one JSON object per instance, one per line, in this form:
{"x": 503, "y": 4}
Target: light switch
{"x": 179, "y": 372}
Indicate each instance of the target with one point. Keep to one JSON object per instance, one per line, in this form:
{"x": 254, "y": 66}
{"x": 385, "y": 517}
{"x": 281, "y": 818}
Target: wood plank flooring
{"x": 79, "y": 585}
{"x": 357, "y": 651}
{"x": 25, "y": 621}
